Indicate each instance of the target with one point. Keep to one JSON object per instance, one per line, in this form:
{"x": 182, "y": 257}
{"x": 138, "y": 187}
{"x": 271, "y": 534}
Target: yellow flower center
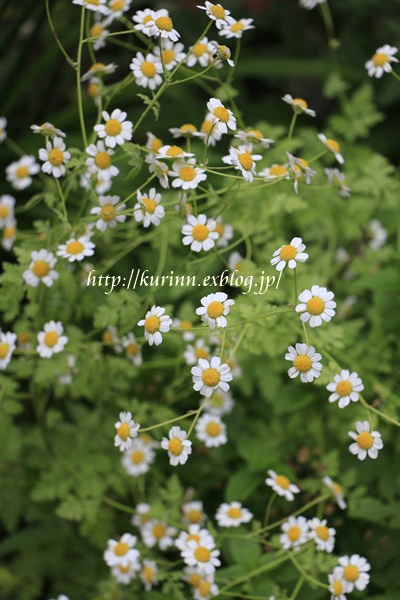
{"x": 215, "y": 309}
{"x": 206, "y": 127}
{"x": 93, "y": 89}
{"x": 219, "y": 228}
{"x": 365, "y": 440}
{"x": 333, "y": 145}
{"x": 132, "y": 349}
{"x": 102, "y": 160}
{"x": 199, "y": 50}
{"x": 187, "y": 173}
{"x": 22, "y": 172}
{"x": 278, "y": 170}
{"x": 194, "y": 516}
{"x": 147, "y": 19}
{"x": 150, "y": 205}
{"x": 380, "y": 59}
{"x": 185, "y": 325}
{"x": 221, "y": 113}
{"x": 202, "y": 554}
{"x": 156, "y": 144}
{"x": 121, "y": 549}
{"x": 124, "y": 431}
{"x": 152, "y": 324}
{"x": 337, "y": 488}
{"x": 322, "y": 532}
{"x": 158, "y": 531}
{"x": 200, "y": 353}
{"x": 94, "y": 2}
{"x": 108, "y": 212}
{"x": 288, "y": 252}
{"x": 211, "y": 377}
{"x": 137, "y": 457}
{"x": 237, "y": 27}
{"x": 234, "y": 513}
{"x": 194, "y": 536}
{"x": 300, "y": 102}
{"x": 245, "y": 160}
{"x": 113, "y": 127}
{"x": 124, "y": 569}
{"x": 315, "y": 306}
{"x": 9, "y": 232}
{"x": 40, "y": 268}
{"x": 164, "y": 23}
{"x": 75, "y": 247}
{"x": 256, "y": 133}
{"x": 96, "y": 30}
{"x": 148, "y": 69}
{"x": 351, "y": 573}
{"x": 117, "y": 5}
{"x": 344, "y": 388}
{"x": 188, "y": 128}
{"x": 337, "y": 587}
{"x": 175, "y": 446}
{"x": 302, "y": 363}
{"x": 98, "y": 67}
{"x": 174, "y": 151}
{"x": 303, "y": 162}
{"x": 51, "y": 339}
{"x": 200, "y": 233}
{"x": 213, "y": 429}
{"x": 195, "y": 579}
{"x": 282, "y": 481}
{"x": 147, "y": 573}
{"x": 56, "y": 157}
{"x": 204, "y": 589}
{"x": 217, "y": 11}
{"x": 4, "y": 348}
{"x": 24, "y": 338}
{"x": 4, "y": 212}
{"x": 168, "y": 56}
{"x": 294, "y": 533}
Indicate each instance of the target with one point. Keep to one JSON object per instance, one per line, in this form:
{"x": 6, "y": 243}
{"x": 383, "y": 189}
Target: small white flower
{"x": 235, "y": 260}
{"x": 7, "y": 347}
{"x": 88, "y": 181}
{"x": 187, "y": 130}
{"x": 337, "y": 180}
{"x": 172, "y": 54}
{"x": 116, "y": 130}
{"x": 117, "y": 9}
{"x": 236, "y": 28}
{"x": 47, "y": 129}
{"x": 275, "y": 171}
{"x": 305, "y": 362}
{"x": 107, "y": 212}
{"x": 19, "y": 172}
{"x": 193, "y": 512}
{"x": 195, "y": 533}
{"x": 206, "y": 588}
{"x": 199, "y": 233}
{"x": 7, "y": 204}
{"x": 200, "y": 53}
{"x": 223, "y": 117}
{"x": 214, "y": 308}
{"x": 9, "y": 234}
{"x": 209, "y": 376}
{"x": 316, "y": 305}
{"x": 143, "y": 514}
{"x": 354, "y": 571}
{"x": 173, "y": 152}
{"x": 243, "y": 160}
{"x": 281, "y": 485}
{"x": 122, "y": 552}
{"x": 126, "y": 430}
{"x": 337, "y": 492}
{"x": 186, "y": 176}
{"x": 232, "y": 515}
{"x": 202, "y": 555}
{"x": 158, "y": 533}
{"x": 98, "y": 6}
{"x": 110, "y": 335}
{"x": 366, "y": 442}
{"x": 218, "y": 14}
{"x": 41, "y": 269}
{"x": 162, "y": 25}
{"x": 323, "y": 536}
{"x": 309, "y": 4}
{"x": 345, "y": 387}
{"x": 177, "y": 445}
{"x": 378, "y": 234}
{"x": 209, "y": 133}
{"x": 253, "y": 136}
{"x": 333, "y": 146}
{"x": 155, "y": 323}
{"x": 160, "y": 169}
{"x": 3, "y": 126}
{"x": 299, "y": 168}
{"x": 125, "y": 574}
{"x": 138, "y": 458}
{"x": 294, "y": 533}
{"x": 184, "y": 326}
{"x": 289, "y": 254}
{"x": 380, "y": 62}
{"x": 220, "y": 403}
{"x": 55, "y": 157}
{"x": 141, "y": 19}
{"x": 99, "y": 32}
{"x": 225, "y": 232}
{"x": 76, "y": 249}
{"x": 132, "y": 349}
{"x": 299, "y": 105}
{"x": 51, "y": 339}
{"x": 193, "y": 353}
{"x": 148, "y": 574}
{"x": 99, "y": 161}
{"x": 211, "y": 430}
{"x": 99, "y": 69}
{"x": 338, "y": 587}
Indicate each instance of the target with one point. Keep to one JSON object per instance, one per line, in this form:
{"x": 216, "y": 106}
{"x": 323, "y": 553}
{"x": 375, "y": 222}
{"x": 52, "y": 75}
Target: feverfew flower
{"x": 223, "y": 117}
{"x": 7, "y": 204}
{"x": 208, "y": 132}
{"x": 366, "y": 442}
{"x": 148, "y": 574}
{"x": 338, "y": 587}
{"x": 236, "y": 28}
{"x": 305, "y": 361}
{"x": 132, "y": 349}
{"x": 193, "y": 512}
{"x": 186, "y": 176}
{"x": 220, "y": 403}
{"x": 202, "y": 554}
{"x": 281, "y": 485}
{"x": 316, "y": 306}
{"x": 177, "y": 445}
{"x": 199, "y": 232}
{"x": 214, "y": 308}
{"x": 377, "y": 233}
{"x": 294, "y": 533}
{"x": 225, "y": 232}
{"x": 99, "y": 161}
{"x": 99, "y": 69}
{"x": 138, "y": 458}
{"x": 333, "y": 146}
{"x": 158, "y": 533}
{"x": 47, "y": 129}
{"x": 211, "y": 430}
{"x": 141, "y": 19}
{"x": 232, "y": 515}
{"x": 126, "y": 430}
{"x": 19, "y": 172}
{"x": 147, "y": 209}
{"x": 243, "y": 160}
{"x": 200, "y": 53}
{"x": 193, "y": 353}
{"x": 187, "y": 130}
{"x": 9, "y": 234}
{"x": 99, "y": 32}
{"x": 116, "y": 130}
{"x": 309, "y": 4}
{"x": 289, "y": 255}
{"x": 354, "y": 571}
{"x": 55, "y": 157}
{"x": 299, "y": 167}
{"x": 94, "y": 5}
{"x": 234, "y": 261}
{"x": 3, "y": 132}
{"x": 76, "y": 249}
{"x": 336, "y": 491}
{"x": 108, "y": 214}
{"x": 122, "y": 552}
{"x": 125, "y": 574}
{"x": 160, "y": 169}
{"x": 7, "y": 347}
{"x": 174, "y": 152}
{"x": 41, "y": 269}
{"x": 155, "y": 323}
{"x": 162, "y": 26}
{"x": 380, "y": 62}
{"x": 345, "y": 387}
{"x": 142, "y": 515}
{"x": 209, "y": 376}
{"x": 275, "y": 171}
{"x": 171, "y": 53}
{"x": 117, "y": 8}
{"x": 51, "y": 339}
{"x": 206, "y": 588}
{"x": 323, "y": 536}
{"x": 337, "y": 180}
{"x": 218, "y": 14}
{"x": 299, "y": 105}
{"x": 253, "y": 136}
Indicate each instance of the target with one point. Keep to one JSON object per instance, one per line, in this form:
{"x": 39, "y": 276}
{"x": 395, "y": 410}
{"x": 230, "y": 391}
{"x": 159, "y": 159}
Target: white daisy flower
{"x": 236, "y": 28}
{"x": 289, "y": 254}
{"x": 337, "y": 180}
{"x": 220, "y": 403}
{"x": 51, "y": 339}
{"x": 377, "y": 233}
{"x": 193, "y": 512}
{"x": 275, "y": 171}
{"x": 100, "y": 163}
{"x": 155, "y": 323}
{"x": 202, "y": 555}
{"x": 126, "y": 430}
{"x": 338, "y": 587}
{"x": 209, "y": 133}
{"x": 177, "y": 445}
{"x": 366, "y": 442}
{"x": 336, "y": 490}
{"x": 142, "y": 516}
{"x": 55, "y": 157}
{"x": 117, "y": 9}
{"x": 9, "y": 235}
{"x": 206, "y": 588}
{"x": 323, "y": 536}
{"x": 41, "y": 269}
{"x": 232, "y": 515}
{"x": 116, "y": 130}
{"x": 214, "y": 308}
{"x": 19, "y": 173}
{"x": 148, "y": 574}
{"x": 3, "y": 131}
{"x": 98, "y": 6}
{"x": 316, "y": 305}
{"x": 110, "y": 336}
{"x": 172, "y": 54}
{"x": 299, "y": 105}
{"x": 309, "y": 4}
{"x": 121, "y": 552}
{"x": 7, "y": 347}
{"x": 299, "y": 168}
{"x": 125, "y": 573}
{"x": 305, "y": 361}
{"x": 184, "y": 326}
{"x": 200, "y": 53}
{"x": 158, "y": 533}
{"x": 132, "y": 349}
{"x": 380, "y": 62}
{"x": 225, "y": 232}
{"x": 153, "y": 143}
{"x": 354, "y": 571}
{"x": 7, "y": 204}
{"x": 235, "y": 260}
{"x": 99, "y": 69}
{"x": 199, "y": 232}
{"x": 345, "y": 387}
{"x": 218, "y": 14}
{"x": 173, "y": 152}
{"x": 195, "y": 533}
{"x": 193, "y": 353}
{"x": 282, "y": 485}
{"x": 223, "y": 117}
{"x": 333, "y": 146}
{"x": 88, "y": 181}
{"x": 141, "y": 19}
{"x": 107, "y": 212}
{"x": 186, "y": 176}
{"x": 221, "y": 54}
{"x": 160, "y": 169}
{"x": 294, "y": 533}
{"x": 209, "y": 376}
{"x": 253, "y": 136}
{"x": 211, "y": 430}
{"x": 162, "y": 26}
{"x": 243, "y": 160}
{"x": 47, "y": 129}
{"x": 193, "y": 576}
{"x": 99, "y": 32}
{"x": 76, "y": 249}
{"x": 187, "y": 130}
{"x": 138, "y": 458}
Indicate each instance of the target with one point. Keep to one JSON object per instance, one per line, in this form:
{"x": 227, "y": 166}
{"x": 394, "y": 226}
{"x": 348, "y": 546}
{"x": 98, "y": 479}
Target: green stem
{"x": 78, "y": 79}
{"x": 267, "y": 567}
{"x": 306, "y": 575}
{"x": 118, "y": 505}
{"x": 269, "y": 506}
{"x": 395, "y": 75}
{"x": 297, "y": 588}
{"x": 62, "y": 199}
{"x": 59, "y": 44}
{"x": 378, "y": 412}
{"x": 291, "y": 128}
{"x": 235, "y": 61}
{"x": 186, "y": 416}
{"x": 198, "y": 412}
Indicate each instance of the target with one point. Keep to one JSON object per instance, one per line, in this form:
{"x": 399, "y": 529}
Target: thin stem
{"x": 269, "y": 506}
{"x": 297, "y": 588}
{"x": 59, "y": 44}
{"x": 378, "y": 412}
{"x": 62, "y": 199}
{"x": 186, "y": 416}
{"x": 306, "y": 575}
{"x": 198, "y": 412}
{"x": 254, "y": 572}
{"x": 291, "y": 128}
{"x": 78, "y": 78}
{"x": 395, "y": 75}
{"x": 118, "y": 505}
